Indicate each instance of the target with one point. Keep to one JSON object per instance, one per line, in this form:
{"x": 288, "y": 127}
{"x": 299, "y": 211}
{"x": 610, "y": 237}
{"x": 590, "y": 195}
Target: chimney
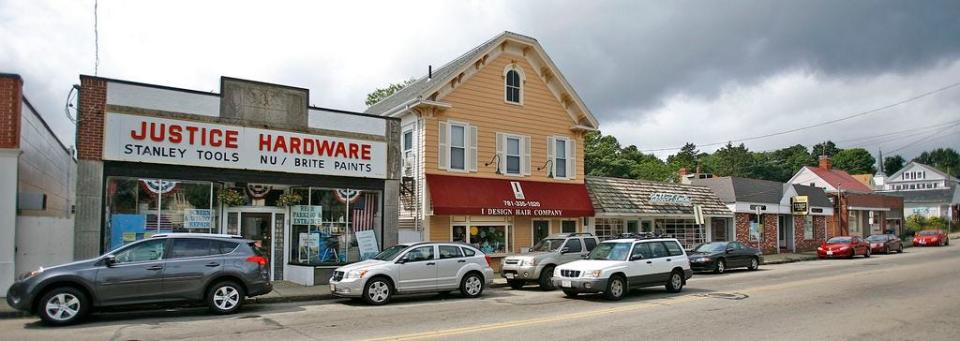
{"x": 825, "y": 162}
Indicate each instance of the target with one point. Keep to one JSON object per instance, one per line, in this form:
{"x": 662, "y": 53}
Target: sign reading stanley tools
{"x": 159, "y": 140}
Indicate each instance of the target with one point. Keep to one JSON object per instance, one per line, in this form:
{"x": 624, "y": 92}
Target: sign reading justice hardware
{"x": 159, "y": 140}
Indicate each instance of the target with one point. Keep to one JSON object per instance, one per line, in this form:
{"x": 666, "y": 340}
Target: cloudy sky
{"x": 656, "y": 74}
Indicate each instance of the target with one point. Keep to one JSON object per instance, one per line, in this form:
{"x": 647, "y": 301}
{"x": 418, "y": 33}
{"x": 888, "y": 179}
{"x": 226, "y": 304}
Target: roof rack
{"x": 189, "y": 234}
{"x": 643, "y": 235}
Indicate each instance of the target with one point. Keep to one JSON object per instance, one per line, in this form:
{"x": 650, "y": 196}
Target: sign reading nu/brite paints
{"x": 137, "y": 138}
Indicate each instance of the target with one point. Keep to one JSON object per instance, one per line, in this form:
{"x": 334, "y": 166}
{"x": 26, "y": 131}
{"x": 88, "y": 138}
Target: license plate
{"x": 829, "y": 253}
{"x": 508, "y": 275}
{"x": 922, "y": 242}
{"x": 565, "y": 284}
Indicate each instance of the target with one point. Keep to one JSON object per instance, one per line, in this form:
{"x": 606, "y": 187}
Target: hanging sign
{"x": 137, "y": 138}
{"x": 800, "y": 205}
{"x": 306, "y": 215}
{"x": 197, "y": 218}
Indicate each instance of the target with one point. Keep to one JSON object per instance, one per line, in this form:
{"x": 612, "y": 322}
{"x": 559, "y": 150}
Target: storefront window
{"x": 687, "y": 231}
{"x": 138, "y": 208}
{"x": 568, "y": 226}
{"x": 324, "y": 227}
{"x": 808, "y": 227}
{"x": 609, "y": 228}
{"x": 487, "y": 238}
{"x": 541, "y": 229}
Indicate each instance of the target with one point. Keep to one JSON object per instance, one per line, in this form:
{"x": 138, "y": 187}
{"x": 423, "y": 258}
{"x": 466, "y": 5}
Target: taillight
{"x": 260, "y": 260}
{"x": 489, "y": 260}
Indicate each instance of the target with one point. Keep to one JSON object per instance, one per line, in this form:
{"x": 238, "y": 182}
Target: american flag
{"x": 364, "y": 211}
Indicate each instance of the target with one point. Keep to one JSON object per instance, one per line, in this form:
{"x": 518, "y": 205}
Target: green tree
{"x": 945, "y": 159}
{"x": 782, "y": 164}
{"x": 892, "y": 164}
{"x": 602, "y": 156}
{"x": 381, "y": 93}
{"x": 855, "y": 161}
{"x": 730, "y": 160}
{"x": 688, "y": 157}
{"x": 825, "y": 148}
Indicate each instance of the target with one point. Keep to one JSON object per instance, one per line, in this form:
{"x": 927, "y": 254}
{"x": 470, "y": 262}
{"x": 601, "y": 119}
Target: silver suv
{"x": 537, "y": 266}
{"x": 219, "y": 270}
{"x": 415, "y": 268}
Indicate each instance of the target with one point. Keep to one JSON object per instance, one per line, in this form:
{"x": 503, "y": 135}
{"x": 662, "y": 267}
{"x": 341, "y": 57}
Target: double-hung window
{"x": 561, "y": 151}
{"x": 513, "y": 155}
{"x": 407, "y": 143}
{"x": 458, "y": 147}
{"x": 513, "y": 85}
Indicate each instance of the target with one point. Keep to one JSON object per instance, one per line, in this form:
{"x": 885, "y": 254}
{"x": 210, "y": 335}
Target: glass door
{"x": 263, "y": 225}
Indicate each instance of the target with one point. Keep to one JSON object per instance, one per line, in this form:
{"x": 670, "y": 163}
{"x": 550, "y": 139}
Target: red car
{"x": 844, "y": 246}
{"x": 885, "y": 243}
{"x": 931, "y": 238}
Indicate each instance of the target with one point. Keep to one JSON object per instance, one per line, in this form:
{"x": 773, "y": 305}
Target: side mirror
{"x": 529, "y": 249}
{"x": 564, "y": 250}
{"x": 109, "y": 260}
{"x": 402, "y": 260}
{"x": 636, "y": 257}
{"x": 729, "y": 250}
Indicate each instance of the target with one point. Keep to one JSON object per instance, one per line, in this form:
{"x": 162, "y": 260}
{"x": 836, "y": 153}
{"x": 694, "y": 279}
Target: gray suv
{"x": 219, "y": 270}
{"x": 537, "y": 266}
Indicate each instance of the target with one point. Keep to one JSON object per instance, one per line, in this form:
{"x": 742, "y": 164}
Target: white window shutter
{"x": 551, "y": 155}
{"x": 525, "y": 163}
{"x": 472, "y": 154}
{"x": 501, "y": 157}
{"x": 444, "y": 151}
{"x": 572, "y": 159}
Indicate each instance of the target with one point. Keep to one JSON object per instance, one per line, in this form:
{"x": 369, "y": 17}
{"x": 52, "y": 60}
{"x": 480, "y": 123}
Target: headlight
{"x": 704, "y": 259}
{"x": 593, "y": 274}
{"x": 526, "y": 262}
{"x": 31, "y": 274}
{"x": 356, "y": 274}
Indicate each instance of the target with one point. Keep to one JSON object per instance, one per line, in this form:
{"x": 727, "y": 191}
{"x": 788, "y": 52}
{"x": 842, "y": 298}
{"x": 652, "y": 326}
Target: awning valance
{"x": 460, "y": 195}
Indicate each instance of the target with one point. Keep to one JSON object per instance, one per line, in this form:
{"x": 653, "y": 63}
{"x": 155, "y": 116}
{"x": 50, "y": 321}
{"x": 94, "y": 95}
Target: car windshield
{"x": 610, "y": 251}
{"x": 710, "y": 247}
{"x": 839, "y": 240}
{"x": 877, "y": 238}
{"x": 390, "y": 253}
{"x": 929, "y": 233}
{"x": 548, "y": 245}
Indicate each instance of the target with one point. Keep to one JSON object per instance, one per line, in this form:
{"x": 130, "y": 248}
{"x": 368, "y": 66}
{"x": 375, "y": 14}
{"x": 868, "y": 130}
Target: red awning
{"x": 460, "y": 195}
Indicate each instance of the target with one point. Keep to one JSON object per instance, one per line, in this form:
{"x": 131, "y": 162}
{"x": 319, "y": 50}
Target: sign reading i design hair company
{"x": 159, "y": 140}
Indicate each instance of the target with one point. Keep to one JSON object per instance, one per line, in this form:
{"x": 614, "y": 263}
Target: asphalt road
{"x": 910, "y": 296}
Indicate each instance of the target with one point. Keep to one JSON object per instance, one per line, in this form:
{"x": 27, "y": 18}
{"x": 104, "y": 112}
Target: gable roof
{"x": 816, "y": 195}
{"x": 839, "y": 179}
{"x": 630, "y": 196}
{"x": 733, "y": 189}
{"x": 424, "y": 86}
{"x": 896, "y": 175}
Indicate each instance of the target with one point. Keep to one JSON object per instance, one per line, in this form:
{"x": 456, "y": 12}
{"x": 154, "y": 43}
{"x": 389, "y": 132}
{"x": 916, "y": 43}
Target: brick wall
{"x": 819, "y": 224}
{"x": 93, "y": 102}
{"x": 769, "y": 244}
{"x": 11, "y": 92}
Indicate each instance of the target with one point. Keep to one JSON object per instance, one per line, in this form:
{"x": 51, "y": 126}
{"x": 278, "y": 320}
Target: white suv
{"x": 615, "y": 266}
{"x": 415, "y": 268}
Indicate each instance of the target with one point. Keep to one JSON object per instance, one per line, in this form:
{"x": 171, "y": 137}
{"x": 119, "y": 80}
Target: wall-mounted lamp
{"x": 549, "y": 168}
{"x": 495, "y": 159}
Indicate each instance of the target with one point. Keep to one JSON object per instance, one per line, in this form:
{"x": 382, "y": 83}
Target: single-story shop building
{"x": 315, "y": 188}
{"x": 772, "y": 216}
{"x": 692, "y": 214}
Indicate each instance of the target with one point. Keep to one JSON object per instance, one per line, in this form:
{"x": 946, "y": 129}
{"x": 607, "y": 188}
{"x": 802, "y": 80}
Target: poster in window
{"x": 755, "y": 231}
{"x": 367, "y": 243}
{"x": 197, "y": 218}
{"x": 306, "y": 214}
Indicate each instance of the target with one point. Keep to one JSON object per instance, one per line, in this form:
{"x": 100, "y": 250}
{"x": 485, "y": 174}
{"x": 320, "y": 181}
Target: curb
{"x": 791, "y": 260}
{"x": 285, "y": 299}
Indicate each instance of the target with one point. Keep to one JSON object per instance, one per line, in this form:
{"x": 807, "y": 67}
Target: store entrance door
{"x": 263, "y": 225}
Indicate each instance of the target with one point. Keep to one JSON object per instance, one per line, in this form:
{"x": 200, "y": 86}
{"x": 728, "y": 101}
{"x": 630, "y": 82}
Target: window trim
{"x": 506, "y": 154}
{"x": 566, "y": 148}
{"x": 523, "y": 80}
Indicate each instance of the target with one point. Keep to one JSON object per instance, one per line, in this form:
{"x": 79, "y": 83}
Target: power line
{"x": 925, "y": 138}
{"x": 898, "y": 132}
{"x": 855, "y": 115}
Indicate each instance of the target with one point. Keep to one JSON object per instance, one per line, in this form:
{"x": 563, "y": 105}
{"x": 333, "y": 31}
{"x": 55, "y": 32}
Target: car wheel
{"x": 675, "y": 284}
{"x": 225, "y": 297}
{"x": 900, "y": 249}
{"x": 377, "y": 291}
{"x": 545, "y": 282}
{"x": 616, "y": 288}
{"x": 721, "y": 266}
{"x": 754, "y": 264}
{"x": 570, "y": 293}
{"x": 515, "y": 284}
{"x": 471, "y": 285}
{"x": 62, "y": 306}
{"x": 867, "y": 255}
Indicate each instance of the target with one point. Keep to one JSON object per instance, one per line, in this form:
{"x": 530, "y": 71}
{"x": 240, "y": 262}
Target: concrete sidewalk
{"x": 781, "y": 258}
